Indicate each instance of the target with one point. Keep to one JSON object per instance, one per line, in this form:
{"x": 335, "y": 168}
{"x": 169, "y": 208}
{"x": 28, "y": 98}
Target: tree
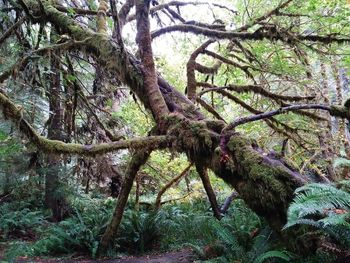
{"x": 269, "y": 48}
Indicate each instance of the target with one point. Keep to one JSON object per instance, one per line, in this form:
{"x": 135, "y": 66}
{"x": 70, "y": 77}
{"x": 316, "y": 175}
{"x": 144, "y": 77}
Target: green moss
{"x": 265, "y": 185}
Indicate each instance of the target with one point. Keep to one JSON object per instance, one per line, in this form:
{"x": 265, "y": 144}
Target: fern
{"x": 341, "y": 162}
{"x": 321, "y": 200}
{"x": 324, "y": 207}
{"x": 21, "y": 221}
{"x": 282, "y": 255}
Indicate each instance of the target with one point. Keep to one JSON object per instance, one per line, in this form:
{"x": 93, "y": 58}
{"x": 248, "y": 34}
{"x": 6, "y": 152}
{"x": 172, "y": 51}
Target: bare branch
{"x": 267, "y": 115}
{"x": 191, "y": 67}
{"x": 176, "y": 179}
{"x": 210, "y": 109}
{"x": 179, "y": 4}
{"x": 12, "y": 29}
{"x": 265, "y": 16}
{"x": 261, "y": 34}
{"x": 124, "y": 11}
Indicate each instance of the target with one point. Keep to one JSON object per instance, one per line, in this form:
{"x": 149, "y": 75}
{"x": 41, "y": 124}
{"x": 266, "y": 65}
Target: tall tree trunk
{"x": 53, "y": 197}
{"x": 326, "y": 138}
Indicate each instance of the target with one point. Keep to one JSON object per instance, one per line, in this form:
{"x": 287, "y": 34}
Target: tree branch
{"x": 265, "y": 16}
{"x": 258, "y": 89}
{"x": 191, "y": 67}
{"x": 15, "y": 114}
{"x": 12, "y": 28}
{"x": 143, "y": 39}
{"x": 334, "y": 111}
{"x": 176, "y": 179}
{"x": 178, "y": 4}
{"x": 261, "y": 34}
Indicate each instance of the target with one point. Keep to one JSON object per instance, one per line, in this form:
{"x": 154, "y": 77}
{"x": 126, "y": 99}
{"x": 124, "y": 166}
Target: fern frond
{"x": 341, "y": 162}
{"x": 321, "y": 200}
{"x": 273, "y": 254}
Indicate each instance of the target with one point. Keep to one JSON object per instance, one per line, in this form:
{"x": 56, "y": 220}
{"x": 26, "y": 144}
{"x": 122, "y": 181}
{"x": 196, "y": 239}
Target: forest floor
{"x": 181, "y": 256}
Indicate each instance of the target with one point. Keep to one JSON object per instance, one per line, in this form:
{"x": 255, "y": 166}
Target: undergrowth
{"x": 241, "y": 236}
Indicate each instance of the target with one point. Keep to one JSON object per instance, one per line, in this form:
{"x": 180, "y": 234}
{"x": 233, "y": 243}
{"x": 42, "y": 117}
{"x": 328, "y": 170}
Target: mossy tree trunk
{"x": 53, "y": 195}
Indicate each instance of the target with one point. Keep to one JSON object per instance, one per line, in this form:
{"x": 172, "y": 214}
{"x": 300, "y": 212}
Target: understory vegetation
{"x": 240, "y": 236}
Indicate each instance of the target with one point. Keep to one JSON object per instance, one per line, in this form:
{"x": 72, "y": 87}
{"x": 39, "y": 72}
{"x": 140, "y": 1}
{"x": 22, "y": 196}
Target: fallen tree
{"x": 263, "y": 180}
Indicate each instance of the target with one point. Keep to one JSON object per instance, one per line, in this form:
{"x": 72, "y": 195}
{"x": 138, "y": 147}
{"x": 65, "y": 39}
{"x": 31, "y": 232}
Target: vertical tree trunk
{"x": 342, "y": 138}
{"x": 137, "y": 193}
{"x": 326, "y": 137}
{"x": 53, "y": 198}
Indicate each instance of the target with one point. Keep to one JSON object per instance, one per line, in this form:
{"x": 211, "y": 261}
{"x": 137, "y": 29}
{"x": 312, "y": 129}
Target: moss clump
{"x": 265, "y": 183}
{"x": 193, "y": 137}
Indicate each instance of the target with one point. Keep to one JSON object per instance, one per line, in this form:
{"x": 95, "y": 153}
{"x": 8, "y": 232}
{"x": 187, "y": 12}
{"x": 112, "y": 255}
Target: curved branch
{"x": 208, "y": 70}
{"x": 124, "y": 11}
{"x": 12, "y": 28}
{"x": 287, "y": 131}
{"x": 191, "y": 66}
{"x": 15, "y": 114}
{"x": 265, "y": 16}
{"x": 244, "y": 68}
{"x": 210, "y": 109}
{"x": 169, "y": 184}
{"x": 334, "y": 111}
{"x": 178, "y": 4}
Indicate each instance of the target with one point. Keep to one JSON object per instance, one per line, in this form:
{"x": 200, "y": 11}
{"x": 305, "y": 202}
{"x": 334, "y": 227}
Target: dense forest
{"x": 175, "y": 131}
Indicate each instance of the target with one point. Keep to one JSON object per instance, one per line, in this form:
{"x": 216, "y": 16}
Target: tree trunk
{"x": 53, "y": 196}
{"x": 143, "y": 39}
{"x": 134, "y": 165}
{"x": 203, "y": 174}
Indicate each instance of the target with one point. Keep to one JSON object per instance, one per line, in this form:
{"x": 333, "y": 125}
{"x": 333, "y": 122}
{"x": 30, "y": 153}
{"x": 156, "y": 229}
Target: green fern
{"x": 341, "y": 162}
{"x": 322, "y": 206}
{"x": 282, "y": 255}
{"x": 321, "y": 200}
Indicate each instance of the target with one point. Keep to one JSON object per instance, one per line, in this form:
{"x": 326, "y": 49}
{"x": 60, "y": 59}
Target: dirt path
{"x": 181, "y": 256}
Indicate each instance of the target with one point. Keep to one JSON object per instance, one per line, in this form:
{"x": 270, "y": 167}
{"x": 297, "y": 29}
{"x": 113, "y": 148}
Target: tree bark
{"x": 203, "y": 174}
{"x": 134, "y": 165}
{"x": 143, "y": 39}
{"x": 53, "y": 194}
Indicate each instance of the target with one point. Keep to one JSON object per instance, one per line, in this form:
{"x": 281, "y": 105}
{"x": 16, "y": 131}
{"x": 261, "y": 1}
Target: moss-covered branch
{"x": 14, "y": 113}
{"x": 258, "y": 89}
